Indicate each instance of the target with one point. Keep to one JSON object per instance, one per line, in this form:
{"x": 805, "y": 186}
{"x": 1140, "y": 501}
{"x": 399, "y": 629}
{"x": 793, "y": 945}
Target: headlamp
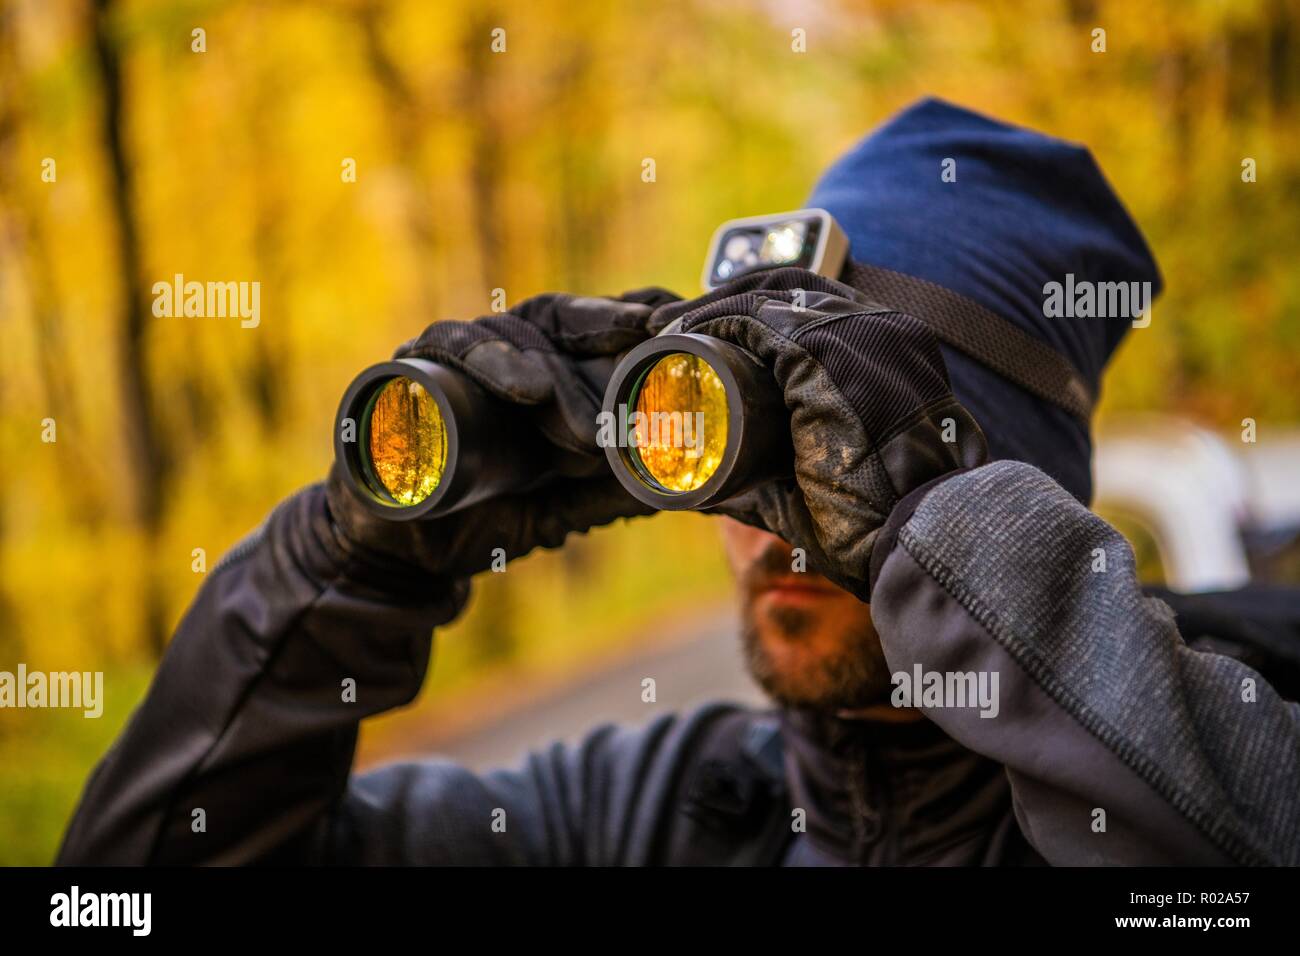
{"x": 806, "y": 238}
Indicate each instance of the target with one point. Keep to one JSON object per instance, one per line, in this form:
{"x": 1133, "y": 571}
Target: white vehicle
{"x": 1214, "y": 508}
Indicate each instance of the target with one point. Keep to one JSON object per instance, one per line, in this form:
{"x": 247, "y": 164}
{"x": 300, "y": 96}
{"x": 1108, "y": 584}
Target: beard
{"x": 847, "y": 673}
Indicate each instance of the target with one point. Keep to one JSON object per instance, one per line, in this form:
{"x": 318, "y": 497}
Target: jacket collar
{"x": 887, "y": 792}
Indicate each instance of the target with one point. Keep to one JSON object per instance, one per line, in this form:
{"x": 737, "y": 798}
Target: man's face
{"x": 808, "y": 643}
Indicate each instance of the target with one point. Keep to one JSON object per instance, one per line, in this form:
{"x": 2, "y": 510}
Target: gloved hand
{"x": 551, "y": 356}
{"x": 869, "y": 402}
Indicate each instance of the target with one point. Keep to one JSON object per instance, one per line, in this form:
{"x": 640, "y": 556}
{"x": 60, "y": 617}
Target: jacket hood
{"x": 1022, "y": 210}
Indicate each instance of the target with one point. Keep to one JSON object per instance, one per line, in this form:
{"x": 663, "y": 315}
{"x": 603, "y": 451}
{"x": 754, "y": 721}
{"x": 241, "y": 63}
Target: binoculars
{"x": 416, "y": 438}
{"x": 688, "y": 421}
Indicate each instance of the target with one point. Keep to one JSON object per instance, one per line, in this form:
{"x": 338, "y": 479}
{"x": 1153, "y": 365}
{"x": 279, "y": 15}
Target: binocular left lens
{"x": 416, "y": 438}
{"x": 404, "y": 437}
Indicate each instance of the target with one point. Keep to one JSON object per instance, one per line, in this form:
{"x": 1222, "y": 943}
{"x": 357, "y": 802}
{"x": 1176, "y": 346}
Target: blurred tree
{"x": 496, "y": 638}
{"x": 407, "y": 114}
{"x": 24, "y": 245}
{"x": 148, "y": 454}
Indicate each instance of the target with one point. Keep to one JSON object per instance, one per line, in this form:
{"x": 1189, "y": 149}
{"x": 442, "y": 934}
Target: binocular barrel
{"x": 696, "y": 421}
{"x": 688, "y": 422}
{"x": 417, "y": 439}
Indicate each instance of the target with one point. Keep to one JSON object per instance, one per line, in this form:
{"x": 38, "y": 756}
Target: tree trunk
{"x": 146, "y": 447}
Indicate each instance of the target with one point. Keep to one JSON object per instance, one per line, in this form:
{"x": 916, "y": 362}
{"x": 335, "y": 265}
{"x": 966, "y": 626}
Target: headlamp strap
{"x": 989, "y": 339}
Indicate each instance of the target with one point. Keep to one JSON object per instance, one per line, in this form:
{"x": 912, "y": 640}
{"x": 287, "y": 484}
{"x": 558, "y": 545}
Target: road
{"x": 702, "y": 665}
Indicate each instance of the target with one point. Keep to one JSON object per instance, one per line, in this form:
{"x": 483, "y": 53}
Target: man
{"x": 1089, "y": 731}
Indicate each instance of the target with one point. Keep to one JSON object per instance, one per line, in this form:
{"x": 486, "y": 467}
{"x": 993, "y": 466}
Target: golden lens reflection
{"x": 407, "y": 440}
{"x": 681, "y": 431}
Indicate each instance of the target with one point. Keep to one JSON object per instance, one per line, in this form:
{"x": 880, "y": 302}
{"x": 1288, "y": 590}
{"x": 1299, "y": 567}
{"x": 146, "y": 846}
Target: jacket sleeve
{"x": 242, "y": 749}
{"x": 1122, "y": 744}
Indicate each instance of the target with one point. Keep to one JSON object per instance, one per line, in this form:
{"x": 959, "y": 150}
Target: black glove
{"x": 552, "y": 357}
{"x": 869, "y": 403}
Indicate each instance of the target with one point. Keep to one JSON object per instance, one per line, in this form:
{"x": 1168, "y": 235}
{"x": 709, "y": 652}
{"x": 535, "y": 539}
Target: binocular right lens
{"x": 681, "y": 422}
{"x": 699, "y": 421}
